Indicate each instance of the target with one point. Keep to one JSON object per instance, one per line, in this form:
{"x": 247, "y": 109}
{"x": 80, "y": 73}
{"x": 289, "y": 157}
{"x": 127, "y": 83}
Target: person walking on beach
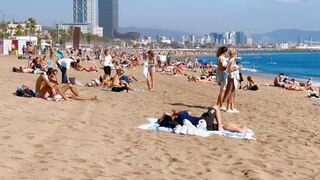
{"x": 233, "y": 81}
{"x": 222, "y": 75}
{"x": 169, "y": 59}
{"x": 106, "y": 62}
{"x": 151, "y": 59}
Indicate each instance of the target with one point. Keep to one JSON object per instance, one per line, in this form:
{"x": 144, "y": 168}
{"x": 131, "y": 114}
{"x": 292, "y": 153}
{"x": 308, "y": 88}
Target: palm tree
{"x": 31, "y": 26}
{"x": 4, "y": 30}
{"x": 11, "y": 30}
{"x": 19, "y": 30}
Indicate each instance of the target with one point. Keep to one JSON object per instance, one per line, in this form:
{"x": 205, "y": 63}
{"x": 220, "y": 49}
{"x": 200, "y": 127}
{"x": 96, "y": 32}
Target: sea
{"x": 295, "y": 65}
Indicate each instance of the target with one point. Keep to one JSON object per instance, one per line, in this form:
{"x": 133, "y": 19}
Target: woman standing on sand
{"x": 151, "y": 59}
{"x": 233, "y": 81}
{"x": 106, "y": 62}
{"x": 222, "y": 75}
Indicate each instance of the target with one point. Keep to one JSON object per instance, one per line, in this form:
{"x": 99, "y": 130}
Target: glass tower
{"x": 240, "y": 38}
{"x": 109, "y": 17}
{"x": 85, "y": 12}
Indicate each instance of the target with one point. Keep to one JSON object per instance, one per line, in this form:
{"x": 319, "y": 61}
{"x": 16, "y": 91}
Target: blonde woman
{"x": 233, "y": 81}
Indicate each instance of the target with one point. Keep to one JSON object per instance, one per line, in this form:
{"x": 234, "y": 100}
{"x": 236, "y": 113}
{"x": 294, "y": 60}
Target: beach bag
{"x": 25, "y": 91}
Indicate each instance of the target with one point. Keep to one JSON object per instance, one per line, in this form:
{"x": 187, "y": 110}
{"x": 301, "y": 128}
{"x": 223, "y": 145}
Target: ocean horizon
{"x": 297, "y": 65}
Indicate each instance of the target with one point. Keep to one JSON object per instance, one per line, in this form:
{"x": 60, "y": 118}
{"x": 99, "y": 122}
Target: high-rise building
{"x": 240, "y": 38}
{"x": 85, "y": 16}
{"x": 229, "y": 38}
{"x": 109, "y": 17}
{"x": 249, "y": 40}
{"x": 85, "y": 12}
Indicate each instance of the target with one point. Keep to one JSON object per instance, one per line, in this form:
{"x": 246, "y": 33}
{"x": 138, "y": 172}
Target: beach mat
{"x": 154, "y": 126}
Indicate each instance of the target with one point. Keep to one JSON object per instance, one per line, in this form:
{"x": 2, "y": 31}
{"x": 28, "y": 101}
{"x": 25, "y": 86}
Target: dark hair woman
{"x": 222, "y": 75}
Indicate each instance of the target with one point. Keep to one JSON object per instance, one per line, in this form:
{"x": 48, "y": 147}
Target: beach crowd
{"x": 227, "y": 74}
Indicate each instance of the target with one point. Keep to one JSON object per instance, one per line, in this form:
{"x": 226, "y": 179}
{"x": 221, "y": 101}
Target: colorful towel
{"x": 153, "y": 125}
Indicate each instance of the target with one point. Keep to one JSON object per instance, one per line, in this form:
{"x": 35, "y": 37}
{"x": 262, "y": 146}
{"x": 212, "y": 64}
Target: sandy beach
{"x": 100, "y": 140}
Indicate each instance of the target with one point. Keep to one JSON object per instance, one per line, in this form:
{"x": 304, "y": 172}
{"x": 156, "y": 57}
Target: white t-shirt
{"x": 65, "y": 62}
{"x": 107, "y": 61}
{"x": 163, "y": 58}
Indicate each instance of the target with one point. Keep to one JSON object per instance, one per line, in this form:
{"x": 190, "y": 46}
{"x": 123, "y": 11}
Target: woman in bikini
{"x": 151, "y": 70}
{"x": 222, "y": 75}
{"x": 233, "y": 81}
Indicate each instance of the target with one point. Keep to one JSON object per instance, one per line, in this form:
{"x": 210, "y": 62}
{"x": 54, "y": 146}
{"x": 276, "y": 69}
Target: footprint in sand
{"x": 43, "y": 162}
{"x": 258, "y": 163}
{"x": 6, "y": 137}
{"x": 78, "y": 160}
{"x": 38, "y": 145}
{"x": 17, "y": 152}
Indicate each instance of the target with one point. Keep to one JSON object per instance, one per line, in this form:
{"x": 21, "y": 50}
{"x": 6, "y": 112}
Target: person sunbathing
{"x": 278, "y": 81}
{"x": 293, "y": 85}
{"x": 309, "y": 85}
{"x": 211, "y": 72}
{"x": 78, "y": 67}
{"x": 128, "y": 79}
{"x": 178, "y": 70}
{"x": 34, "y": 66}
{"x": 250, "y": 85}
{"x": 212, "y": 118}
{"x": 119, "y": 85}
{"x": 44, "y": 88}
{"x": 135, "y": 63}
{"x": 43, "y": 63}
{"x": 48, "y": 86}
{"x": 203, "y": 79}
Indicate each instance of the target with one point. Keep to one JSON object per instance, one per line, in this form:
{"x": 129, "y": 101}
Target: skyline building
{"x": 85, "y": 16}
{"x": 108, "y": 17}
{"x": 240, "y": 38}
{"x": 85, "y": 12}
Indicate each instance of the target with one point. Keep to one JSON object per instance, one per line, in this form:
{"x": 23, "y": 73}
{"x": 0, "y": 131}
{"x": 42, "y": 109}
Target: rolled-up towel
{"x": 202, "y": 125}
{"x": 177, "y": 130}
{"x": 184, "y": 130}
{"x": 191, "y": 127}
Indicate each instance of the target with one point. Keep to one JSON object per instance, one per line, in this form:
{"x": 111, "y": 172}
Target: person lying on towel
{"x": 211, "y": 118}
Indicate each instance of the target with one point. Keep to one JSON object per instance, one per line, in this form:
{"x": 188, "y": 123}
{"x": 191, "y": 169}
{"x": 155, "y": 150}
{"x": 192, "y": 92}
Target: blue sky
{"x": 203, "y": 16}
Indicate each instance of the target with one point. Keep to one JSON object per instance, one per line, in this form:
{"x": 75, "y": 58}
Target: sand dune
{"x": 99, "y": 140}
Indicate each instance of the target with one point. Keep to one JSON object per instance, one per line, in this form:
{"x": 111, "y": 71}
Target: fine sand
{"x": 99, "y": 140}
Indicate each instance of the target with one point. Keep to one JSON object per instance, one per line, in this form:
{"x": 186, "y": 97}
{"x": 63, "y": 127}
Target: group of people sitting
{"x": 49, "y": 87}
{"x": 35, "y": 65}
{"x": 292, "y": 84}
{"x": 118, "y": 83}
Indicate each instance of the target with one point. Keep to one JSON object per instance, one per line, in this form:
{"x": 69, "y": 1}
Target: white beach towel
{"x": 107, "y": 89}
{"x": 154, "y": 126}
{"x": 145, "y": 70}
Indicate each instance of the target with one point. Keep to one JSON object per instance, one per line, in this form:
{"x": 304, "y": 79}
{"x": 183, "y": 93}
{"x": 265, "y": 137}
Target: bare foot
{"x": 94, "y": 98}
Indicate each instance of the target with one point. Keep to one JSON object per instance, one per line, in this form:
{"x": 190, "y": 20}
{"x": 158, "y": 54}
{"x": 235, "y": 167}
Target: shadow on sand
{"x": 189, "y": 106}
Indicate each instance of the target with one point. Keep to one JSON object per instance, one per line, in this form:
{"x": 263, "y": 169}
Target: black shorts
{"x": 107, "y": 70}
{"x": 120, "y": 89}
